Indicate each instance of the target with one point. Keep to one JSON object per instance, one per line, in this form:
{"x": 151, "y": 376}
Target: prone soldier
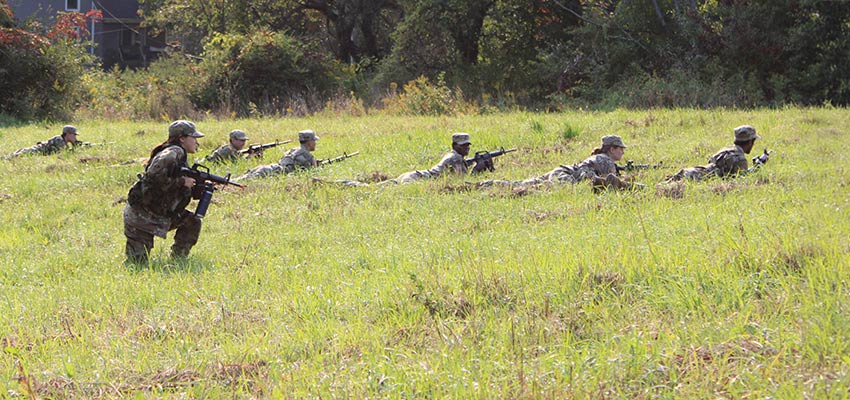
{"x": 729, "y": 161}
{"x": 52, "y": 145}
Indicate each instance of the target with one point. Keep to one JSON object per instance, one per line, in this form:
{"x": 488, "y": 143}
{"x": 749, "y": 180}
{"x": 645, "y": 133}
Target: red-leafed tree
{"x": 42, "y": 69}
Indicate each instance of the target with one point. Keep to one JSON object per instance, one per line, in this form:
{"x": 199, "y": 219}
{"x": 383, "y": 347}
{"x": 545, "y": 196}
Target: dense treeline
{"x": 298, "y": 56}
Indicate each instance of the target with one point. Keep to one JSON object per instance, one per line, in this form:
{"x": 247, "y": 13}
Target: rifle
{"x": 631, "y": 166}
{"x": 485, "y": 158}
{"x": 205, "y": 185}
{"x": 762, "y": 159}
{"x": 256, "y": 148}
{"x": 340, "y": 158}
{"x": 89, "y": 144}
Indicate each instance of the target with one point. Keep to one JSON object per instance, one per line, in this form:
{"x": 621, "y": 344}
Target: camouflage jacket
{"x": 452, "y": 162}
{"x": 597, "y": 165}
{"x": 52, "y": 145}
{"x": 159, "y": 196}
{"x": 225, "y": 153}
{"x": 729, "y": 161}
{"x": 297, "y": 158}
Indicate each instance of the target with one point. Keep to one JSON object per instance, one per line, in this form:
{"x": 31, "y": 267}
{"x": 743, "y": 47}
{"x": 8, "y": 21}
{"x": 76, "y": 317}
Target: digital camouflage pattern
{"x": 52, "y": 145}
{"x": 595, "y": 166}
{"x": 292, "y": 160}
{"x": 225, "y": 153}
{"x": 728, "y": 161}
{"x": 452, "y": 162}
{"x": 261, "y": 171}
{"x": 297, "y": 158}
{"x": 156, "y": 204}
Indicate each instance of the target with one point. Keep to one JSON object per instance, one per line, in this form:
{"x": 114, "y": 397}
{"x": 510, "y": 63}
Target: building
{"x": 120, "y": 39}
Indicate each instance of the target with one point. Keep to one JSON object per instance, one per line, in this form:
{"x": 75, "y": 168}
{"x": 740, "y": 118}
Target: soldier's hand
{"x": 188, "y": 182}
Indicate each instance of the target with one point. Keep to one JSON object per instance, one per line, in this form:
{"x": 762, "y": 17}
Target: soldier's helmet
{"x": 69, "y": 129}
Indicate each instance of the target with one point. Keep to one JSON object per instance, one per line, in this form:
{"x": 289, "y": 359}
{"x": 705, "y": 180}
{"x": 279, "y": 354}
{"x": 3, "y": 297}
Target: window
{"x": 72, "y": 5}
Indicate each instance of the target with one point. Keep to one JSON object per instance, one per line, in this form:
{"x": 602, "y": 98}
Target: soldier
{"x": 156, "y": 202}
{"x": 52, "y": 145}
{"x": 729, "y": 161}
{"x": 230, "y": 152}
{"x": 600, "y": 169}
{"x": 452, "y": 162}
{"x": 299, "y": 158}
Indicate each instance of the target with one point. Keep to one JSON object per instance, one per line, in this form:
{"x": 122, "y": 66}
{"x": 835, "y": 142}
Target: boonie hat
{"x": 238, "y": 135}
{"x": 613, "y": 140}
{"x": 744, "y": 133}
{"x": 460, "y": 138}
{"x": 307, "y": 135}
{"x": 183, "y": 128}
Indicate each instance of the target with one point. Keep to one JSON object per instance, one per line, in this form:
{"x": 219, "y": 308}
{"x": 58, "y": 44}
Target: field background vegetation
{"x": 298, "y": 288}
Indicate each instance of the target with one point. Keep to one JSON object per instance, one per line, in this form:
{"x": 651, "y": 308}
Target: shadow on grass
{"x": 168, "y": 265}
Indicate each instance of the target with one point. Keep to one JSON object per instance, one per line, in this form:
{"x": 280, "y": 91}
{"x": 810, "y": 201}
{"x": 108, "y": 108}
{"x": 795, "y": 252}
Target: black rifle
{"x": 762, "y": 159}
{"x": 260, "y": 147}
{"x": 336, "y": 159}
{"x": 205, "y": 185}
{"x": 631, "y": 166}
{"x": 485, "y": 158}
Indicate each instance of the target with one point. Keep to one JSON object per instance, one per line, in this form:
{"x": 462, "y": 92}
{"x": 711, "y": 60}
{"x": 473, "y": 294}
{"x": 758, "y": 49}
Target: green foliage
{"x": 160, "y": 92}
{"x": 421, "y": 97}
{"x": 269, "y": 72}
{"x": 39, "y": 71}
{"x": 569, "y": 132}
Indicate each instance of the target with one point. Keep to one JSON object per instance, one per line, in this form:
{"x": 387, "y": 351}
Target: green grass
{"x": 301, "y": 289}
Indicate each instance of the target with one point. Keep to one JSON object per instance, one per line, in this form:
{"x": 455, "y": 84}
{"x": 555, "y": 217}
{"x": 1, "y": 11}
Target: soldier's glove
{"x": 197, "y": 192}
{"x": 484, "y": 165}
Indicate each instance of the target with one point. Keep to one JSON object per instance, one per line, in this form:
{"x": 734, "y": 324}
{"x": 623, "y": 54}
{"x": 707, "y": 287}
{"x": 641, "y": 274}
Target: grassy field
{"x": 735, "y": 289}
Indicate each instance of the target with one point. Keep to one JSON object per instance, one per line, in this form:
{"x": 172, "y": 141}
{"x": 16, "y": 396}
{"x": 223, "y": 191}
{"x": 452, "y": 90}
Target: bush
{"x": 267, "y": 73}
{"x": 421, "y": 97}
{"x": 40, "y": 73}
{"x": 161, "y": 91}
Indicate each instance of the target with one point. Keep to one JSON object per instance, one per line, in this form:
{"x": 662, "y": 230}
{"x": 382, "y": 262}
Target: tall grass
{"x": 301, "y": 289}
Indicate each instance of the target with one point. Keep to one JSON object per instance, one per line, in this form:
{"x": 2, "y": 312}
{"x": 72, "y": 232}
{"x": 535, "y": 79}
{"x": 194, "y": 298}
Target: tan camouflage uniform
{"x": 729, "y": 161}
{"x": 156, "y": 204}
{"x": 225, "y": 153}
{"x": 299, "y": 158}
{"x": 452, "y": 162}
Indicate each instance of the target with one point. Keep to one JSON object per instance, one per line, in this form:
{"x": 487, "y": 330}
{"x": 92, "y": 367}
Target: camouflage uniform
{"x": 452, "y": 162}
{"x": 225, "y": 153}
{"x": 294, "y": 159}
{"x": 729, "y": 161}
{"x": 52, "y": 145}
{"x": 156, "y": 204}
{"x": 297, "y": 158}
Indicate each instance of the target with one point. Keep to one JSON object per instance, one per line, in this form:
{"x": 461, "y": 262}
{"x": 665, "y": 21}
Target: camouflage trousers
{"x": 140, "y": 241}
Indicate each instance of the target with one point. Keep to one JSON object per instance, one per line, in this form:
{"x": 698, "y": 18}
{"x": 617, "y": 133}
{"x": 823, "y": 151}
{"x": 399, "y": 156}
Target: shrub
{"x": 421, "y": 97}
{"x": 264, "y": 72}
{"x": 161, "y": 91}
{"x": 41, "y": 69}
